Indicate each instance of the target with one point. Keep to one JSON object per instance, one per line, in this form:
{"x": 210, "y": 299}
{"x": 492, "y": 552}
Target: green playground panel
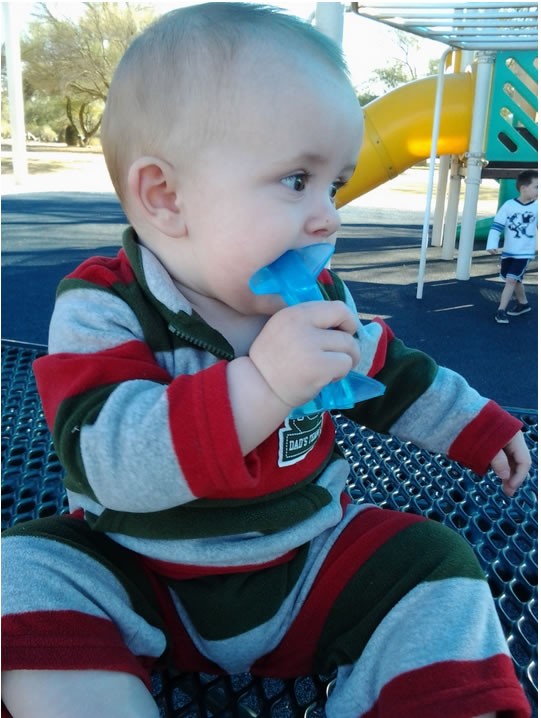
{"x": 512, "y": 127}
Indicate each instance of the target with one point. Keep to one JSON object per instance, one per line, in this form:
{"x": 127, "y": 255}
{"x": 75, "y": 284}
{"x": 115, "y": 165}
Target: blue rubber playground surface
{"x": 46, "y": 234}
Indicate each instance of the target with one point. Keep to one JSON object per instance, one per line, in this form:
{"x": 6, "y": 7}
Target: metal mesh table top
{"x": 384, "y": 471}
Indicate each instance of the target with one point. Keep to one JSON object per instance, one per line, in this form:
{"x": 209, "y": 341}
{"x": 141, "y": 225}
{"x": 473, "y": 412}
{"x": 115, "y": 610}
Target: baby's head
{"x": 228, "y": 129}
{"x": 178, "y": 81}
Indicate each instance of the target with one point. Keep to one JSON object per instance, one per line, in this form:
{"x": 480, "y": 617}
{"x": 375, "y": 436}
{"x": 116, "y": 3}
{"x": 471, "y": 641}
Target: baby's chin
{"x": 269, "y": 304}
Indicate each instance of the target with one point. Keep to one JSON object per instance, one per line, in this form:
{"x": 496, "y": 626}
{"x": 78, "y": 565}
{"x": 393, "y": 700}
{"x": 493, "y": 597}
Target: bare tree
{"x": 75, "y": 59}
{"x": 401, "y": 69}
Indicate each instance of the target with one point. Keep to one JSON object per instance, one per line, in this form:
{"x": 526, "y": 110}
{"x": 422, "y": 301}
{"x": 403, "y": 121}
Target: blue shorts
{"x": 513, "y": 267}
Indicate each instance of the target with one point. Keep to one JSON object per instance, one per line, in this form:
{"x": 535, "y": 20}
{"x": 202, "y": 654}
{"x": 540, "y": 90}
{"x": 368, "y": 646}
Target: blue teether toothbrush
{"x": 293, "y": 276}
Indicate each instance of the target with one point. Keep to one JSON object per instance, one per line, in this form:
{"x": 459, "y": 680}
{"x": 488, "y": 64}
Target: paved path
{"x": 45, "y": 235}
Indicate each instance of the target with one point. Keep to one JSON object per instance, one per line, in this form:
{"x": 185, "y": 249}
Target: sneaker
{"x": 501, "y": 317}
{"x": 518, "y": 309}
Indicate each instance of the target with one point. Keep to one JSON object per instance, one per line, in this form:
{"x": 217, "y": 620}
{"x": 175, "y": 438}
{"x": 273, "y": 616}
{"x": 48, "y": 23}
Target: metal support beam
{"x": 439, "y": 209}
{"x": 430, "y": 183}
{"x": 330, "y": 20}
{"x": 475, "y": 160}
{"x": 451, "y": 217}
{"x": 15, "y": 90}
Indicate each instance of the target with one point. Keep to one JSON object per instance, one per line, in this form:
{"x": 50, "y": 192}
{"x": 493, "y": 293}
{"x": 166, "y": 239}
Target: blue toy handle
{"x": 293, "y": 276}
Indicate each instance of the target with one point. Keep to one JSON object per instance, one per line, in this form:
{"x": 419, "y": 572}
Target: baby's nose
{"x": 325, "y": 221}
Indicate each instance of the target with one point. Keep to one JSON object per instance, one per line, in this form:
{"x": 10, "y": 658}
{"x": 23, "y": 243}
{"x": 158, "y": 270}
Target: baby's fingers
{"x": 340, "y": 346}
{"x": 501, "y": 467}
{"x": 330, "y": 315}
{"x": 512, "y": 470}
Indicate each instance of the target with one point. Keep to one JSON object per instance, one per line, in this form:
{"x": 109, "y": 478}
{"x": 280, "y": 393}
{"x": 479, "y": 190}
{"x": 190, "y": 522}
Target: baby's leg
{"x": 86, "y": 694}
{"x": 403, "y": 611}
{"x": 429, "y": 638}
{"x": 80, "y": 623}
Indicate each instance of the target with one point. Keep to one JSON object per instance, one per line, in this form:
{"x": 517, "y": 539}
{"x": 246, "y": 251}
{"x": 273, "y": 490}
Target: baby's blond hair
{"x": 166, "y": 90}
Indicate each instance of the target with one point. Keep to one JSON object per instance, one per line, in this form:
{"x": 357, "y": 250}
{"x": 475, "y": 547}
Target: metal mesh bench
{"x": 385, "y": 471}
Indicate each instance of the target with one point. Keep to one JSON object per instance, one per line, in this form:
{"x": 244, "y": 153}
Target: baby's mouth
{"x": 293, "y": 275}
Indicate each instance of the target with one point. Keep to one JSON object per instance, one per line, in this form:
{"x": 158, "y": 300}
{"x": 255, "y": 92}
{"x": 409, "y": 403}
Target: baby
{"x": 197, "y": 537}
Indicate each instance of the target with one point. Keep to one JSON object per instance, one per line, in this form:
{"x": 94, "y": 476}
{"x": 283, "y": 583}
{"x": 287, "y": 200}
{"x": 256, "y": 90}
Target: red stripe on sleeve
{"x": 204, "y": 436}
{"x": 61, "y": 376}
{"x": 479, "y": 442}
{"x": 207, "y": 447}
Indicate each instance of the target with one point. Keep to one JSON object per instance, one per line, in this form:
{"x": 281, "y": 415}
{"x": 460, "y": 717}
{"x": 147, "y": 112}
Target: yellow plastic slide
{"x": 398, "y": 130}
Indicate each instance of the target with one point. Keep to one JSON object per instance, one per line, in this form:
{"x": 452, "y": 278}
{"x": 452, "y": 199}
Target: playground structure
{"x": 479, "y": 115}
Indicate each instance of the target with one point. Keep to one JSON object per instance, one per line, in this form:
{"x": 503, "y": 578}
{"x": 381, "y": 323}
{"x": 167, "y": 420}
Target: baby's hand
{"x": 492, "y": 251}
{"x": 304, "y": 347}
{"x": 512, "y": 464}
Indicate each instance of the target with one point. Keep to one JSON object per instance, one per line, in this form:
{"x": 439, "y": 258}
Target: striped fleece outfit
{"x": 180, "y": 551}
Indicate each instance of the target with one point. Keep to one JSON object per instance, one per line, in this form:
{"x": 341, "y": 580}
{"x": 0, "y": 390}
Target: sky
{"x": 367, "y": 44}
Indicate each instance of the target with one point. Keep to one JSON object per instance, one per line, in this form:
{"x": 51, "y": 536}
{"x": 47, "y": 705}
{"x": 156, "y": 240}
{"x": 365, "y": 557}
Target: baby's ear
{"x": 153, "y": 190}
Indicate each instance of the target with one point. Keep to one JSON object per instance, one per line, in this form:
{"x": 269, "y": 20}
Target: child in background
{"x": 208, "y": 529}
{"x": 517, "y": 219}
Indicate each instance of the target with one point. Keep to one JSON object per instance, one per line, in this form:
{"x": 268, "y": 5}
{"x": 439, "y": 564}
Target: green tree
{"x": 365, "y": 96}
{"x": 73, "y": 60}
{"x": 434, "y": 66}
{"x": 45, "y": 116}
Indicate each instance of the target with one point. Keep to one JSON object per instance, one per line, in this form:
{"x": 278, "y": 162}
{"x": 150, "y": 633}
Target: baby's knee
{"x": 448, "y": 553}
{"x": 65, "y": 584}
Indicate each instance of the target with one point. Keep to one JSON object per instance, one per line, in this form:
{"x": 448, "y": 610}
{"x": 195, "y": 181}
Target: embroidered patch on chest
{"x": 298, "y": 437}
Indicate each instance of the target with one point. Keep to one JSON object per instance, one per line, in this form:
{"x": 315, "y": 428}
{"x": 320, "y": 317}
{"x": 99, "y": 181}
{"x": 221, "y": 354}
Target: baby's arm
{"x": 132, "y": 435}
{"x": 294, "y": 356}
{"x": 436, "y": 409}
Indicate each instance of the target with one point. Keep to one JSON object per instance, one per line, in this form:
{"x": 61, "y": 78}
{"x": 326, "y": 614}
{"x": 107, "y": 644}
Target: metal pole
{"x": 15, "y": 90}
{"x": 439, "y": 209}
{"x": 475, "y": 155}
{"x": 453, "y": 197}
{"x": 451, "y": 216}
{"x": 428, "y": 205}
{"x": 330, "y": 20}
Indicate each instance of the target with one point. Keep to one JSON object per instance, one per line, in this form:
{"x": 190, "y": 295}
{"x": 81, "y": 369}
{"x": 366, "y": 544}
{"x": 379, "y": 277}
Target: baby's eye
{"x": 296, "y": 182}
{"x": 334, "y": 188}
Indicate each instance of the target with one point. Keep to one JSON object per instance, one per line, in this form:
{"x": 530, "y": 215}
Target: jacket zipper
{"x": 200, "y": 344}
